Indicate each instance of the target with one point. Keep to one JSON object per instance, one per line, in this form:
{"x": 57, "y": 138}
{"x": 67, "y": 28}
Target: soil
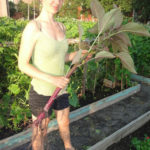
{"x": 95, "y": 127}
{"x": 100, "y": 93}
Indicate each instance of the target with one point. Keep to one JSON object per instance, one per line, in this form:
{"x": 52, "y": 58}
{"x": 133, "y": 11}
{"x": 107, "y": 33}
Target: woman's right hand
{"x": 60, "y": 81}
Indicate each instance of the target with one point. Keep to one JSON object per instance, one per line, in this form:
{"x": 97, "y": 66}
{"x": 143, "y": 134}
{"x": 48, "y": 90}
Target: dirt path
{"x": 93, "y": 128}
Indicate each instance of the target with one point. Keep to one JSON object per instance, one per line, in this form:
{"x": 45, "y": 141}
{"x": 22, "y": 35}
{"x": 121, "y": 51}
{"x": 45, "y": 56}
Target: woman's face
{"x": 52, "y": 6}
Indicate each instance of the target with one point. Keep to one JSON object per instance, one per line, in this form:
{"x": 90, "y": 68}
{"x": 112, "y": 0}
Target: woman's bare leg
{"x": 39, "y": 133}
{"x": 63, "y": 123}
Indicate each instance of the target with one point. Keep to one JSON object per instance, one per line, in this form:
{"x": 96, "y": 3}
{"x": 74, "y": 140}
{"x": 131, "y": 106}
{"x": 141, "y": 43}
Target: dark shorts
{"x": 37, "y": 102}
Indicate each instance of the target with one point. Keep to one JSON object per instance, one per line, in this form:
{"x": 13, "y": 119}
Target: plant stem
{"x": 84, "y": 78}
{"x": 94, "y": 42}
{"x": 121, "y": 79}
{"x": 87, "y": 53}
{"x": 115, "y": 34}
{"x": 95, "y": 81}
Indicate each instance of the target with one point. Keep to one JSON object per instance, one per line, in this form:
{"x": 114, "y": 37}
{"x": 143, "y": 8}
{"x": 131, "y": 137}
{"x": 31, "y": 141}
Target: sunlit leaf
{"x": 118, "y": 18}
{"x": 97, "y": 9}
{"x": 77, "y": 57}
{"x": 123, "y": 37}
{"x": 111, "y": 19}
{"x": 119, "y": 46}
{"x": 104, "y": 54}
{"x": 134, "y": 28}
{"x": 127, "y": 61}
{"x": 13, "y": 88}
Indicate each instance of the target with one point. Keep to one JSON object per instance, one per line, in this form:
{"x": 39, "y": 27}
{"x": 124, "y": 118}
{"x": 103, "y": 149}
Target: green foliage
{"x": 113, "y": 40}
{"x": 12, "y": 9}
{"x": 23, "y": 8}
{"x": 140, "y": 52}
{"x": 70, "y": 8}
{"x": 4, "y": 110}
{"x": 142, "y": 9}
{"x": 124, "y": 5}
{"x": 14, "y": 85}
{"x": 71, "y": 26}
{"x": 141, "y": 144}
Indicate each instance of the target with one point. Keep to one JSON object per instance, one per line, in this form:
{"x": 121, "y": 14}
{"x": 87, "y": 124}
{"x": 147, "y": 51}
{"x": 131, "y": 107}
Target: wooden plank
{"x": 140, "y": 78}
{"x": 121, "y": 133}
{"x": 24, "y": 137}
{"x": 105, "y": 102}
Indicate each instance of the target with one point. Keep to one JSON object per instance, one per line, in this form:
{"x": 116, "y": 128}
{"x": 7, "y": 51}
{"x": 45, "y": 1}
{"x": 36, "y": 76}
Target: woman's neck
{"x": 47, "y": 17}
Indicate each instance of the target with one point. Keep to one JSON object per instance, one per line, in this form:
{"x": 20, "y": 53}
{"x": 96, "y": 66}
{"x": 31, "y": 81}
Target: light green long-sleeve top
{"x": 49, "y": 57}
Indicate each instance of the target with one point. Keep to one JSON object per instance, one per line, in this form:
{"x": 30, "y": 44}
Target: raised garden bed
{"x": 126, "y": 130}
{"x": 140, "y": 79}
{"x": 125, "y": 143}
{"x": 24, "y": 137}
{"x": 97, "y": 126}
{"x": 121, "y": 133}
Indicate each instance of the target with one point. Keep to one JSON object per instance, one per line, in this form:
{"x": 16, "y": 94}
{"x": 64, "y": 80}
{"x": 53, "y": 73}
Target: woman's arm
{"x": 28, "y": 41}
{"x": 70, "y": 56}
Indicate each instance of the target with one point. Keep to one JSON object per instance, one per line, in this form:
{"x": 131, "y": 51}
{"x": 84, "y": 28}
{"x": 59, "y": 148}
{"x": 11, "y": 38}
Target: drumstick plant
{"x": 111, "y": 42}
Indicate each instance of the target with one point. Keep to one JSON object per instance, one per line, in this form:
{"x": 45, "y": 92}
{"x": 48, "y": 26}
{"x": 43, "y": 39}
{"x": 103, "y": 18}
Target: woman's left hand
{"x": 89, "y": 55}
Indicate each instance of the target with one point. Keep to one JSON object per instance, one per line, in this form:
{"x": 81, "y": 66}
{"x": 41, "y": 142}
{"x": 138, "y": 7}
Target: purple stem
{"x": 39, "y": 119}
{"x": 41, "y": 116}
{"x": 51, "y": 100}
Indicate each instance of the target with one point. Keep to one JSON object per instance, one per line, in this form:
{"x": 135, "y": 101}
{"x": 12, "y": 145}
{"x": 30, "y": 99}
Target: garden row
{"x": 97, "y": 125}
{"x": 14, "y": 85}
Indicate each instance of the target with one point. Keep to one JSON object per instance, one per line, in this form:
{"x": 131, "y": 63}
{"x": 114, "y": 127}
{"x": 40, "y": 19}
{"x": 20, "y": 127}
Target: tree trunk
{"x": 4, "y": 8}
{"x": 28, "y": 12}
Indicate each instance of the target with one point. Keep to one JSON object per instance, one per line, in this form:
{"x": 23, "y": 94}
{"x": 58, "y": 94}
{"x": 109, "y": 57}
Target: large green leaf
{"x": 73, "y": 100}
{"x": 97, "y": 9}
{"x": 118, "y": 18}
{"x": 111, "y": 19}
{"x": 14, "y": 88}
{"x": 127, "y": 61}
{"x": 134, "y": 28}
{"x": 119, "y": 46}
{"x": 104, "y": 54}
{"x": 123, "y": 37}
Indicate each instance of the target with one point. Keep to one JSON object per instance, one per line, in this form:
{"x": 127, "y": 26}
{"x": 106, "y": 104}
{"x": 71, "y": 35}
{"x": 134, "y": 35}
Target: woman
{"x": 44, "y": 40}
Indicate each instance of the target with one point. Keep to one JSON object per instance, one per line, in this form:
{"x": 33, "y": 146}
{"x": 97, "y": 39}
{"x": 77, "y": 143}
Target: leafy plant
{"x": 140, "y": 54}
{"x": 112, "y": 40}
{"x": 14, "y": 85}
{"x": 141, "y": 144}
{"x": 141, "y": 10}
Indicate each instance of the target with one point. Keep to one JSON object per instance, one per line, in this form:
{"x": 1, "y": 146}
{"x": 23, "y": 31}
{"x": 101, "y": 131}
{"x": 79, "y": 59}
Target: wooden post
{"x": 34, "y": 8}
{"x": 4, "y": 8}
{"x": 28, "y": 12}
